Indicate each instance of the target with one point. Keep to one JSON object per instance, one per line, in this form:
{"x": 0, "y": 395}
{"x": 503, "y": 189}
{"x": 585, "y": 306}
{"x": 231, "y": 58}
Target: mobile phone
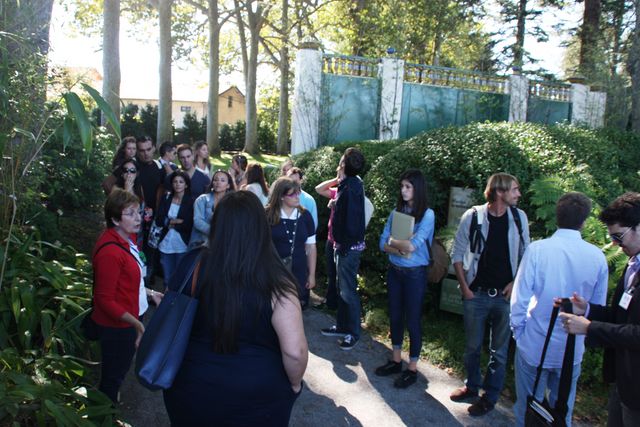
{"x": 566, "y": 305}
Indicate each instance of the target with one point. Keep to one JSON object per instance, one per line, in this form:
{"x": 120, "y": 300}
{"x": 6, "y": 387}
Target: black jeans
{"x": 332, "y": 292}
{"x": 118, "y": 347}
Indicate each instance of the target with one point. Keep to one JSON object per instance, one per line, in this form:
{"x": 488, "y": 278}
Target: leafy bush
{"x": 192, "y": 129}
{"x": 44, "y": 376}
{"x": 232, "y": 137}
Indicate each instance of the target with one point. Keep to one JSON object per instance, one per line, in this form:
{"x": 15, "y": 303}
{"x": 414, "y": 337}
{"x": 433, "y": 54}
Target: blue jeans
{"x": 549, "y": 380}
{"x": 348, "y": 316}
{"x": 477, "y": 312}
{"x": 406, "y": 288}
{"x": 332, "y": 292}
{"x": 117, "y": 346}
{"x": 169, "y": 264}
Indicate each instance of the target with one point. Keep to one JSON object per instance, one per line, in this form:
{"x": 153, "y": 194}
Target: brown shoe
{"x": 463, "y": 393}
{"x": 481, "y": 407}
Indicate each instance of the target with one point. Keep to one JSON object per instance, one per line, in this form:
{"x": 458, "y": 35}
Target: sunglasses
{"x": 131, "y": 170}
{"x": 619, "y": 237}
{"x": 294, "y": 194}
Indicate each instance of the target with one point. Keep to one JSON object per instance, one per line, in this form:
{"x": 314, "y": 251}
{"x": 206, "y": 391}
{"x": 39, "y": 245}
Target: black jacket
{"x": 185, "y": 213}
{"x": 618, "y": 331}
{"x": 348, "y": 218}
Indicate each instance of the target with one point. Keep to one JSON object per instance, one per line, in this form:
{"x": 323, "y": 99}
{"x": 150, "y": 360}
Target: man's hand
{"x": 467, "y": 294}
{"x": 506, "y": 292}
{"x": 573, "y": 324}
{"x": 311, "y": 282}
{"x": 579, "y": 304}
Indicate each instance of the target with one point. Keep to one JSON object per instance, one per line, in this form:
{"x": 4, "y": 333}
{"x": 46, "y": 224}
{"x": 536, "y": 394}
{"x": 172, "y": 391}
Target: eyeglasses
{"x": 131, "y": 213}
{"x": 619, "y": 237}
{"x": 131, "y": 170}
{"x": 294, "y": 194}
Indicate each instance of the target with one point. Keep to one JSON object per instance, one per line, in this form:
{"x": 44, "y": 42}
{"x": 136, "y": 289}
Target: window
{"x": 230, "y": 101}
{"x": 185, "y": 109}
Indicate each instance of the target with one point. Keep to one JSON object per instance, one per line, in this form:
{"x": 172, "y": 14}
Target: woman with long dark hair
{"x": 256, "y": 183}
{"x": 203, "y": 207}
{"x": 407, "y": 275}
{"x": 126, "y": 150}
{"x": 248, "y": 352}
{"x": 294, "y": 234}
{"x": 238, "y": 169}
{"x": 175, "y": 215}
{"x": 128, "y": 179}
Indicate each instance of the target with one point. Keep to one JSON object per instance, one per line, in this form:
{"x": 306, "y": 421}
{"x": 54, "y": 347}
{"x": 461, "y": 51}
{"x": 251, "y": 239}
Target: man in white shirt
{"x": 556, "y": 267}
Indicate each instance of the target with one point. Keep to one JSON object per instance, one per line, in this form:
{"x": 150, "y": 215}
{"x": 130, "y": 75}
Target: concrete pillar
{"x": 596, "y": 106}
{"x": 391, "y": 74}
{"x": 579, "y": 94}
{"x": 519, "y": 91}
{"x": 305, "y": 114}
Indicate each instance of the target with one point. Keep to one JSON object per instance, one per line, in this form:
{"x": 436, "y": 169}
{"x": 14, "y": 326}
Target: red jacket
{"x": 116, "y": 281}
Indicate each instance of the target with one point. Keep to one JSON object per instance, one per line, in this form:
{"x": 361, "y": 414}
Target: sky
{"x": 139, "y": 61}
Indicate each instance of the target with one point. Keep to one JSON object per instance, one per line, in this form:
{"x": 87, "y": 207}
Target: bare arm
{"x": 324, "y": 188}
{"x": 287, "y": 322}
{"x": 312, "y": 255}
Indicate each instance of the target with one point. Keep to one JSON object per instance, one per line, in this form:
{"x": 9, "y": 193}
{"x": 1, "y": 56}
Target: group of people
{"x": 249, "y": 251}
{"x": 513, "y": 286}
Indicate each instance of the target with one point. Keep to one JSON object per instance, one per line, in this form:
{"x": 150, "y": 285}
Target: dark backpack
{"x": 477, "y": 240}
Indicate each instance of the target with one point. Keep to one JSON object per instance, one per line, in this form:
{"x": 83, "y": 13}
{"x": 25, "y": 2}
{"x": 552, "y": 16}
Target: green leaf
{"x": 76, "y": 109}
{"x": 67, "y": 132}
{"x": 26, "y": 133}
{"x": 105, "y": 107}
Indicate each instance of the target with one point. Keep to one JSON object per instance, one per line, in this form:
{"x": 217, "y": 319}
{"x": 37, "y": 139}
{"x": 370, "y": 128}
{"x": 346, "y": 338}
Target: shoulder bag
{"x": 167, "y": 335}
{"x": 541, "y": 414}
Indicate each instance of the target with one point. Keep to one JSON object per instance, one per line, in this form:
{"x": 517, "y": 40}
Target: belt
{"x": 397, "y": 267}
{"x": 492, "y": 292}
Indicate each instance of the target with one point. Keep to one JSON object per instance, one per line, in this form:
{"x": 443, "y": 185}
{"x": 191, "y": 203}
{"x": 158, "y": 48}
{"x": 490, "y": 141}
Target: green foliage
{"x": 130, "y": 122}
{"x": 192, "y": 129}
{"x": 44, "y": 369}
{"x": 232, "y": 137}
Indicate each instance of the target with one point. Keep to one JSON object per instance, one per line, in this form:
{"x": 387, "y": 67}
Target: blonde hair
{"x": 498, "y": 182}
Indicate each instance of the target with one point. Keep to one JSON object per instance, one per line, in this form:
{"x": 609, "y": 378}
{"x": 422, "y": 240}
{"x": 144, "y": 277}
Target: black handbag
{"x": 166, "y": 337}
{"x": 541, "y": 414}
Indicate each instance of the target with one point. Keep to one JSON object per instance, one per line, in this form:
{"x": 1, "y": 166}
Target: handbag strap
{"x": 564, "y": 388}
{"x": 188, "y": 275}
{"x": 552, "y": 322}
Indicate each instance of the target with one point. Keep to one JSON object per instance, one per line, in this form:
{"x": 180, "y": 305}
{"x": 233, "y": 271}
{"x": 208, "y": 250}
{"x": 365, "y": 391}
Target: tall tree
{"x": 256, "y": 13}
{"x": 111, "y": 56}
{"x": 165, "y": 128}
{"x": 633, "y": 67}
{"x": 589, "y": 36}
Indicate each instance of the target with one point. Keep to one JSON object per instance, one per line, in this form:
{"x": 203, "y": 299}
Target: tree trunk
{"x": 283, "y": 112}
{"x": 111, "y": 56}
{"x": 589, "y": 36}
{"x": 633, "y": 66}
{"x": 518, "y": 47}
{"x": 256, "y": 19}
{"x": 165, "y": 130}
{"x": 618, "y": 11}
{"x": 214, "y": 84}
{"x": 243, "y": 40}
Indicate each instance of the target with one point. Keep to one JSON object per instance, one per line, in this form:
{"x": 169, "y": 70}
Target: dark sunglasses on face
{"x": 294, "y": 194}
{"x": 619, "y": 237}
{"x": 131, "y": 170}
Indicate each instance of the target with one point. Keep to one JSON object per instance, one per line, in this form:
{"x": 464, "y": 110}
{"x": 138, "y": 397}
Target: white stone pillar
{"x": 305, "y": 114}
{"x": 596, "y": 106}
{"x": 579, "y": 94}
{"x": 519, "y": 91}
{"x": 391, "y": 74}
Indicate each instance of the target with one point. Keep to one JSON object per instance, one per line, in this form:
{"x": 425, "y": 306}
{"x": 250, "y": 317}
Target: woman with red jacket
{"x": 119, "y": 295}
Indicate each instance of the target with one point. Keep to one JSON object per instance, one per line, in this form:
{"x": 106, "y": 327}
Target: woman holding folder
{"x": 405, "y": 237}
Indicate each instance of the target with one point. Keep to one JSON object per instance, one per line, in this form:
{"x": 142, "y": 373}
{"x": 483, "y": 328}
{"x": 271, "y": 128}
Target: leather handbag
{"x": 166, "y": 337}
{"x": 541, "y": 414}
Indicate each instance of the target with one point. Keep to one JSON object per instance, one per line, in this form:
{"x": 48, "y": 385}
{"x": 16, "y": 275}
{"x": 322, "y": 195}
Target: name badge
{"x": 625, "y": 300}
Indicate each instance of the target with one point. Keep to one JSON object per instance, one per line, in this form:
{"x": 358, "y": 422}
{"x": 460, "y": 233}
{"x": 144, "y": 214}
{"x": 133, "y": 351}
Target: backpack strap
{"x": 516, "y": 218}
{"x": 476, "y": 239}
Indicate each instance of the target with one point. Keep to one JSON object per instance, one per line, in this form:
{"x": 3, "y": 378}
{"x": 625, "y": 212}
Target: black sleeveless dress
{"x": 248, "y": 388}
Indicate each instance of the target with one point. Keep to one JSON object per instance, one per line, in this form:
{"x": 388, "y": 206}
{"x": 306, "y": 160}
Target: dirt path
{"x": 341, "y": 390}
